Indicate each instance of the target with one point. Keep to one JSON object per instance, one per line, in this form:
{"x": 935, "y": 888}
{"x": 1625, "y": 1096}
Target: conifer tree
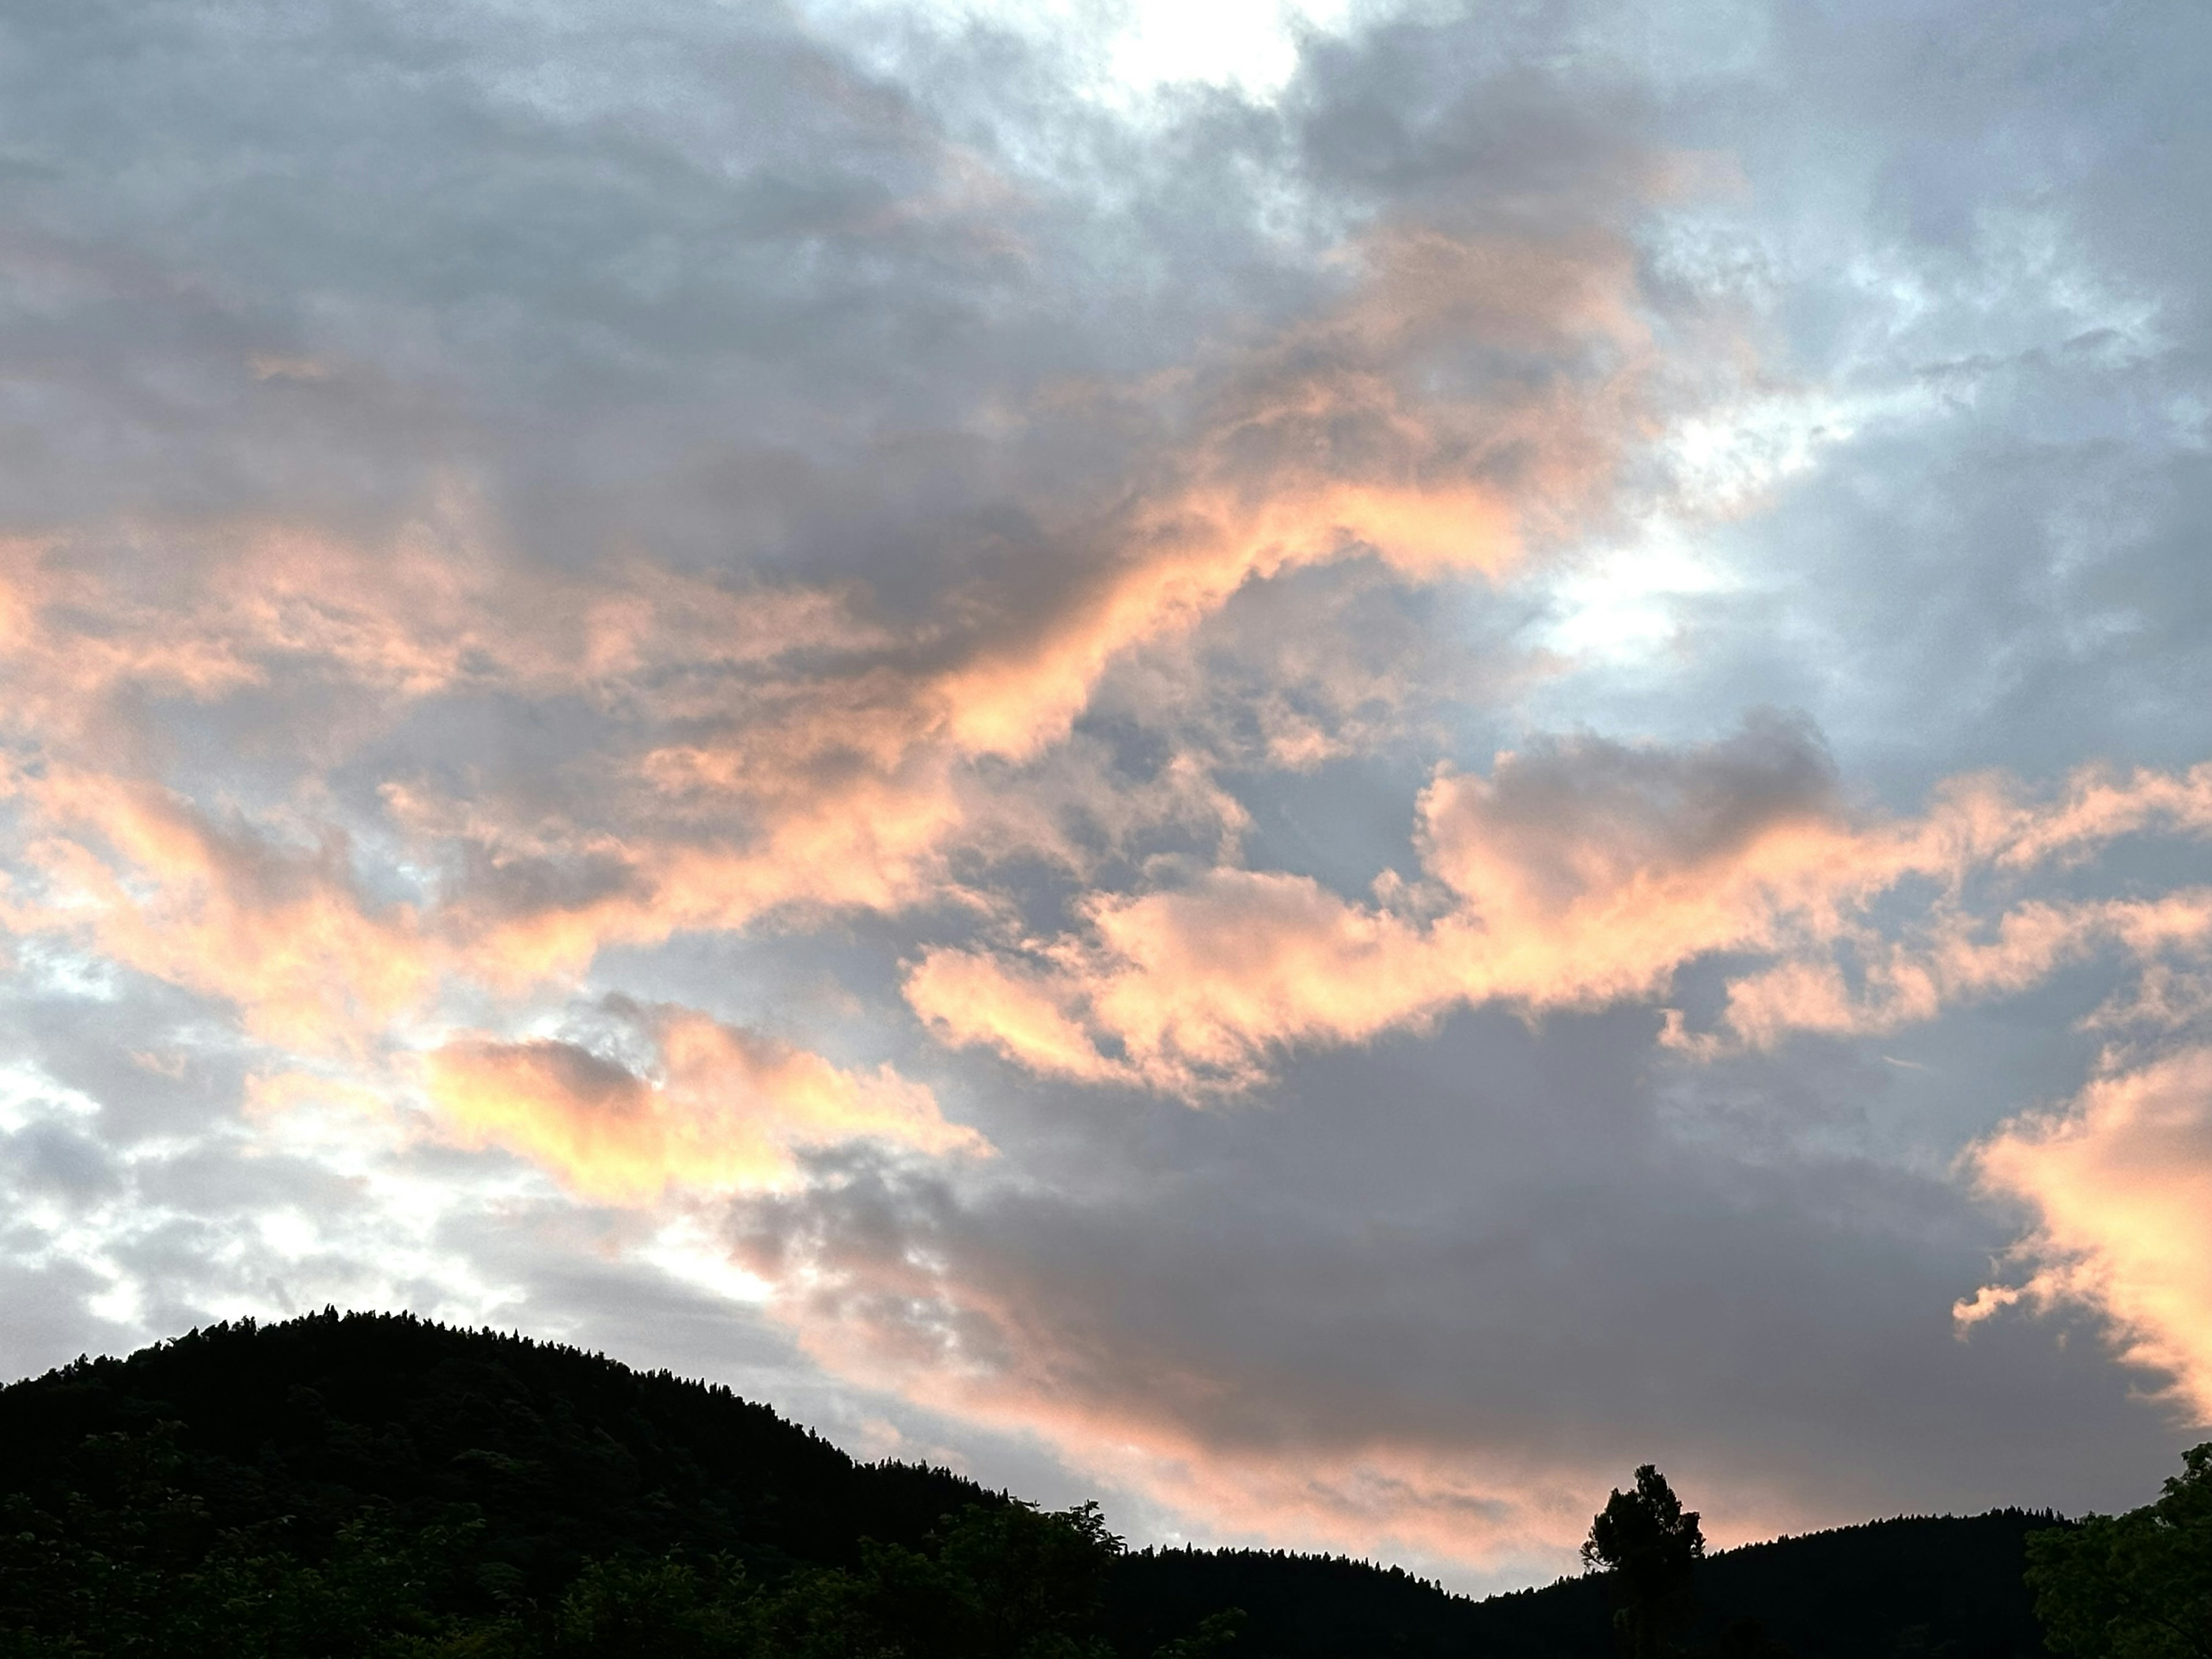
{"x": 1648, "y": 1548}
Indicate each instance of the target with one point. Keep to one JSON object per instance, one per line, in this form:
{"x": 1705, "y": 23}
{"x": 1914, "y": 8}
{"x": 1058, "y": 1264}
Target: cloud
{"x": 735, "y": 607}
{"x": 1053, "y": 1327}
{"x": 2119, "y": 1183}
{"x": 1583, "y": 873}
{"x": 1435, "y": 1301}
{"x": 137, "y": 875}
{"x": 762, "y": 748}
{"x": 715, "y": 1108}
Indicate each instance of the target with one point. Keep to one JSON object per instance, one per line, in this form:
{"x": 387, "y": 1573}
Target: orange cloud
{"x": 1338, "y": 438}
{"x": 136, "y": 874}
{"x": 202, "y": 612}
{"x": 718, "y": 1109}
{"x": 2119, "y": 1182}
{"x": 768, "y": 749}
{"x": 1582, "y": 875}
{"x": 1188, "y": 556}
{"x": 1954, "y": 958}
{"x": 973, "y": 1000}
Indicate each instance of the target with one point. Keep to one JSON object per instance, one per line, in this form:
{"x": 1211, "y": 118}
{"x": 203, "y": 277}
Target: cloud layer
{"x": 1587, "y": 874}
{"x": 1332, "y": 800}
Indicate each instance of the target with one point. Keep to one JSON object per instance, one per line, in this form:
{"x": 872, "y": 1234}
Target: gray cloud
{"x": 517, "y": 515}
{"x": 1491, "y": 1257}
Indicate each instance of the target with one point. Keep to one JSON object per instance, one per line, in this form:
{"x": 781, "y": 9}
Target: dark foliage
{"x": 1295, "y": 1607}
{"x": 377, "y": 1486}
{"x": 2133, "y": 1586}
{"x": 1918, "y": 1586}
{"x": 1648, "y": 1547}
{"x": 564, "y": 1456}
{"x": 1913, "y": 1587}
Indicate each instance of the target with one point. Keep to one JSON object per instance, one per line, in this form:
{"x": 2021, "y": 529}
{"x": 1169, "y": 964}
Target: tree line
{"x": 2132, "y": 1586}
{"x": 374, "y": 1487}
{"x": 131, "y": 1565}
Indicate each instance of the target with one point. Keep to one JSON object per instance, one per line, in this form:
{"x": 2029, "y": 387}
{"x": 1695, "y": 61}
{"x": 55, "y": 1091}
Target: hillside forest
{"x": 370, "y": 1486}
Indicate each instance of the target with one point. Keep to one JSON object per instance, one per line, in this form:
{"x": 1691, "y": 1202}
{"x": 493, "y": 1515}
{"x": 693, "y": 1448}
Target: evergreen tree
{"x": 1648, "y": 1548}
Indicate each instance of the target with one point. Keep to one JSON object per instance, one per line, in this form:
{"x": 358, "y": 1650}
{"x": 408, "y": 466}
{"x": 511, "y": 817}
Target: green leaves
{"x": 2133, "y": 1586}
{"x": 148, "y": 1575}
{"x": 1003, "y": 1582}
{"x": 138, "y": 1569}
{"x": 373, "y": 1487}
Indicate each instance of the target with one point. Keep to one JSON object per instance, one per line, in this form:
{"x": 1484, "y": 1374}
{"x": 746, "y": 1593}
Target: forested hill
{"x": 568, "y": 1455}
{"x": 1887, "y": 1589}
{"x": 453, "y": 1489}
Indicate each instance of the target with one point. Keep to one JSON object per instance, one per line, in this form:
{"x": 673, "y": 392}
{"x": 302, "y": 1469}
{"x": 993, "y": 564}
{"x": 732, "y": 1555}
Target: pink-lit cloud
{"x": 716, "y": 607}
{"x": 772, "y": 748}
{"x": 715, "y": 1108}
{"x": 1580, "y": 875}
{"x": 2118, "y": 1182}
{"x": 134, "y": 873}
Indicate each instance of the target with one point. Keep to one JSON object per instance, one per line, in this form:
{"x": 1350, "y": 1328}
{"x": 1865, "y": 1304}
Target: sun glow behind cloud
{"x": 1130, "y": 50}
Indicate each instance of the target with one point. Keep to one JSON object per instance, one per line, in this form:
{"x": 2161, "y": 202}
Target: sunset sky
{"x": 1320, "y": 767}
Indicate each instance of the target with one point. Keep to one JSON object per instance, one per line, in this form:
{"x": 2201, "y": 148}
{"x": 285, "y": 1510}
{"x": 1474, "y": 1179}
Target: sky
{"x": 1321, "y": 769}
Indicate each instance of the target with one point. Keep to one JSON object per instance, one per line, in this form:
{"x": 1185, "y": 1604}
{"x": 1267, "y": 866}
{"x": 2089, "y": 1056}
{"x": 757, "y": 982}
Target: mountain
{"x": 568, "y": 1455}
{"x": 513, "y": 1464}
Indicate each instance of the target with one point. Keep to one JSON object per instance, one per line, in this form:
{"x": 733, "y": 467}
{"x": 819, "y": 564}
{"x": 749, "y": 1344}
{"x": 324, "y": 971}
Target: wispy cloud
{"x": 1586, "y": 873}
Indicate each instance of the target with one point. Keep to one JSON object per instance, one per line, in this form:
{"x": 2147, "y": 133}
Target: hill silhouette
{"x": 514, "y": 1465}
{"x": 1900, "y": 1589}
{"x": 568, "y": 1455}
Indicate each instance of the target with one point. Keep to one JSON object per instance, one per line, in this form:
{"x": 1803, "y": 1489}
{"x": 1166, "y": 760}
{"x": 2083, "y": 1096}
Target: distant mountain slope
{"x": 1295, "y": 1607}
{"x": 567, "y": 1456}
{"x": 1887, "y": 1589}
{"x": 1920, "y": 1585}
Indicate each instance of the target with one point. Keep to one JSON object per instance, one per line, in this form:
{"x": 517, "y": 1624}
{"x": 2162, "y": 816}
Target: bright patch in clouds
{"x": 1127, "y": 50}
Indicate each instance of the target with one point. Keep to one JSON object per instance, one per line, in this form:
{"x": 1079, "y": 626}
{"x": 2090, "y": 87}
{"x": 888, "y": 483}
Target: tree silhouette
{"x": 1648, "y": 1545}
{"x": 2133, "y": 1586}
{"x": 365, "y": 1486}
